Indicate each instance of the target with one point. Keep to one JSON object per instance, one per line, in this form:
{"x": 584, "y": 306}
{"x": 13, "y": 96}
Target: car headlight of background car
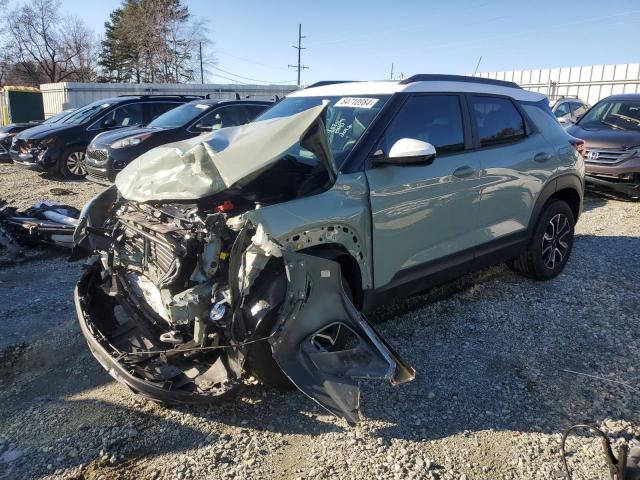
{"x": 130, "y": 141}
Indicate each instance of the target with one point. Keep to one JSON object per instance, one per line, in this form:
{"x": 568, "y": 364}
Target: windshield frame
{"x": 343, "y": 164}
{"x": 600, "y": 122}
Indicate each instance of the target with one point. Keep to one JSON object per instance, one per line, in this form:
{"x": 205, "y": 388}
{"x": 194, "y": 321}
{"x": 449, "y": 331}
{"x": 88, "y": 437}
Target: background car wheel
{"x": 551, "y": 244}
{"x": 72, "y": 163}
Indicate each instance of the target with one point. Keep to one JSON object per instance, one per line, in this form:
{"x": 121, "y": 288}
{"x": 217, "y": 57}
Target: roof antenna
{"x": 477, "y": 66}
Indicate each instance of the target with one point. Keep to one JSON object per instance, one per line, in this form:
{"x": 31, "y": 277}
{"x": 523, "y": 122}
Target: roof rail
{"x": 435, "y": 77}
{"x": 159, "y": 95}
{"x": 322, "y": 83}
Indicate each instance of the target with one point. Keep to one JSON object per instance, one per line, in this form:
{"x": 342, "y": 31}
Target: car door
{"x": 424, "y": 214}
{"x": 516, "y": 161}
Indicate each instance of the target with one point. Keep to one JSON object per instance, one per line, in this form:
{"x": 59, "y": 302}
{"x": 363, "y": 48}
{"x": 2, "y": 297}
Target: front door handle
{"x": 464, "y": 171}
{"x": 542, "y": 157}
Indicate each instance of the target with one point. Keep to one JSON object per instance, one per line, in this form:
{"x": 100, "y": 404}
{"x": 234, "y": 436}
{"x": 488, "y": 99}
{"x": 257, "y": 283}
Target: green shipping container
{"x": 22, "y": 104}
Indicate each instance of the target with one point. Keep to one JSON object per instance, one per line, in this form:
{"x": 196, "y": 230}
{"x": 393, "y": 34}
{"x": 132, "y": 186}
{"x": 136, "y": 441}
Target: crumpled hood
{"x": 208, "y": 164}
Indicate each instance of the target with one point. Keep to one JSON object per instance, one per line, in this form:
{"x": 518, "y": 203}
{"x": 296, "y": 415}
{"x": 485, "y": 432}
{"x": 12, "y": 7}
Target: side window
{"x": 254, "y": 110}
{"x": 436, "y": 119}
{"x": 125, "y": 116}
{"x": 229, "y": 116}
{"x": 155, "y": 109}
{"x": 497, "y": 120}
{"x": 562, "y": 110}
{"x": 578, "y": 108}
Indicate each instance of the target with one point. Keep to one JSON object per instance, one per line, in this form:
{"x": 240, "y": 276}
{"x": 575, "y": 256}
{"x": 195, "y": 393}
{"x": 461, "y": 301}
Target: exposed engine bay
{"x": 182, "y": 300}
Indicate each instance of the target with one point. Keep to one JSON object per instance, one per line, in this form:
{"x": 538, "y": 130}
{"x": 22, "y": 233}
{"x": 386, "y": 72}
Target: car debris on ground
{"x": 45, "y": 222}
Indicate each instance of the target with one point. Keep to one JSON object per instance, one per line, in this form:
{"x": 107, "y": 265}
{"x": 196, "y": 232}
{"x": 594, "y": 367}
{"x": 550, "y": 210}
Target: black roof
{"x": 623, "y": 96}
{"x": 215, "y": 101}
{"x": 434, "y": 77}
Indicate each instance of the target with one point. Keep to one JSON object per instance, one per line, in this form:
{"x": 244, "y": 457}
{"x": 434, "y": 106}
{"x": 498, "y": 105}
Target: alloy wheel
{"x": 555, "y": 245}
{"x": 75, "y": 163}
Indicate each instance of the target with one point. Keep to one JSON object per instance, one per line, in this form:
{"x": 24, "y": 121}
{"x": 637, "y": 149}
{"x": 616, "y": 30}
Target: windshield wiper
{"x": 612, "y": 125}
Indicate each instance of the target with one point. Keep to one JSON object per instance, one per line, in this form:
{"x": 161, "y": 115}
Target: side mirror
{"x": 201, "y": 127}
{"x": 408, "y": 150}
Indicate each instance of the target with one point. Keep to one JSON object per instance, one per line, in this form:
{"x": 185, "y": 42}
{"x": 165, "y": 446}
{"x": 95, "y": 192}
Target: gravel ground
{"x": 502, "y": 365}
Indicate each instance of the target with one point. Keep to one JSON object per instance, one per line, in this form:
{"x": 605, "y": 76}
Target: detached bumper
{"x": 111, "y": 359}
{"x": 628, "y": 188}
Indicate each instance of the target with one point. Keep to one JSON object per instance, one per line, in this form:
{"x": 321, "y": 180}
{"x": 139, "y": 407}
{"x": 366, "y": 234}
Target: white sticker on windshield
{"x": 356, "y": 102}
{"x": 202, "y": 106}
{"x": 105, "y": 105}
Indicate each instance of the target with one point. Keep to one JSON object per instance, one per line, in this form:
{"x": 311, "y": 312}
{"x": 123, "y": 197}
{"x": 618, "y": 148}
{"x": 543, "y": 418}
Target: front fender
{"x": 324, "y": 344}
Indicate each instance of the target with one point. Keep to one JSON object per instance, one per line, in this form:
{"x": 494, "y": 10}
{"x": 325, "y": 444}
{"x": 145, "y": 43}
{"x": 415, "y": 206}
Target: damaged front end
{"x": 183, "y": 300}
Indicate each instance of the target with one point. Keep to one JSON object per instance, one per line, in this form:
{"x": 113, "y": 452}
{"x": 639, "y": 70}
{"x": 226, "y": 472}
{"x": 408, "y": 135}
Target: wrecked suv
{"x": 253, "y": 250}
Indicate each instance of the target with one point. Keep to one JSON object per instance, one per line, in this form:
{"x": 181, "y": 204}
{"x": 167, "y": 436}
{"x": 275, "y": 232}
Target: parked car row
{"x": 100, "y": 139}
{"x": 60, "y": 143}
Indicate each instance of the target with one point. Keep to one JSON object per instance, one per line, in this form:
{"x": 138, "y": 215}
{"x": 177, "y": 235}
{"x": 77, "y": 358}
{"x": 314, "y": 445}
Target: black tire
{"x": 260, "y": 362}
{"x": 550, "y": 247}
{"x": 70, "y": 164}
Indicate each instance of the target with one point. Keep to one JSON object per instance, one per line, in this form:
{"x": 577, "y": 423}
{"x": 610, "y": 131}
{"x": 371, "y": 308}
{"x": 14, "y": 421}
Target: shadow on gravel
{"x": 517, "y": 355}
{"x": 592, "y": 201}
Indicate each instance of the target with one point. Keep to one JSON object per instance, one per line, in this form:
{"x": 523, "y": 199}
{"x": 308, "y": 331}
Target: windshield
{"x": 346, "y": 120}
{"x": 180, "y": 116}
{"x": 58, "y": 116}
{"x": 86, "y": 113}
{"x": 616, "y": 114}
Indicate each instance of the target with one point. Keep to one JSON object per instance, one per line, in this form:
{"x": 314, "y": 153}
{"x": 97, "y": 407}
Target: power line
{"x": 299, "y": 67}
{"x": 250, "y": 61}
{"x": 248, "y": 78}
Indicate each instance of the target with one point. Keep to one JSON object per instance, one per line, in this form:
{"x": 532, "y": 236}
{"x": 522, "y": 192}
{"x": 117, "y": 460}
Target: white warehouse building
{"x": 60, "y": 96}
{"x": 590, "y": 83}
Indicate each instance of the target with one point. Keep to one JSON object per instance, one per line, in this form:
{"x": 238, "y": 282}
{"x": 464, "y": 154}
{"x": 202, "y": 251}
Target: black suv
{"x": 9, "y": 131}
{"x": 60, "y": 147}
{"x": 110, "y": 152}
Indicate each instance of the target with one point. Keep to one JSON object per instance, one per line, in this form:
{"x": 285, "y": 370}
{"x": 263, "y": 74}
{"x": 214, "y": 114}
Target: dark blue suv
{"x": 110, "y": 152}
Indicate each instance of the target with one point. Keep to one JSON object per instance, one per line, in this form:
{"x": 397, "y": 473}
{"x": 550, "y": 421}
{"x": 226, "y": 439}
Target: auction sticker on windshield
{"x": 355, "y": 102}
{"x": 202, "y": 106}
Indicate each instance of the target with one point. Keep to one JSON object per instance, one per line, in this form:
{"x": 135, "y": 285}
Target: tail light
{"x": 579, "y": 145}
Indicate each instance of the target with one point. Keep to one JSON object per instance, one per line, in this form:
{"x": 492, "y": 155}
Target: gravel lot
{"x": 502, "y": 365}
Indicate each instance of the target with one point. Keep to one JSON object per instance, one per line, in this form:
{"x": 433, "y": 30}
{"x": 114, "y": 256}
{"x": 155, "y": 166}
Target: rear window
{"x": 497, "y": 120}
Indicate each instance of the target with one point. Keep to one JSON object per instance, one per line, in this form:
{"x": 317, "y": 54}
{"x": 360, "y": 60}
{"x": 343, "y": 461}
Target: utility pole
{"x": 391, "y": 76}
{"x": 299, "y": 67}
{"x": 201, "y": 68}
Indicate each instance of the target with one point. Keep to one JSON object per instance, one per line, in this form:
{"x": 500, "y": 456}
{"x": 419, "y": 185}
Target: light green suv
{"x": 254, "y": 250}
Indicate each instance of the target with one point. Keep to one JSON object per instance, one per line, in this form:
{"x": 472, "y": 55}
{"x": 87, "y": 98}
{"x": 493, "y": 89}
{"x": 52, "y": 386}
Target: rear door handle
{"x": 542, "y": 157}
{"x": 464, "y": 171}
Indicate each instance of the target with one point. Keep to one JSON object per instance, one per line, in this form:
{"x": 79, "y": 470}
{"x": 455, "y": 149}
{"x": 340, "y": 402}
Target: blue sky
{"x": 360, "y": 39}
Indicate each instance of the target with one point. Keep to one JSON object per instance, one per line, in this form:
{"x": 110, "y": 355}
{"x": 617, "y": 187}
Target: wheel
{"x": 260, "y": 362}
{"x": 550, "y": 247}
{"x": 71, "y": 165}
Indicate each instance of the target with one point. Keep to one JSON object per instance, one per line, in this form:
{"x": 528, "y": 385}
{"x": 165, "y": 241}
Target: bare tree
{"x": 48, "y": 47}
